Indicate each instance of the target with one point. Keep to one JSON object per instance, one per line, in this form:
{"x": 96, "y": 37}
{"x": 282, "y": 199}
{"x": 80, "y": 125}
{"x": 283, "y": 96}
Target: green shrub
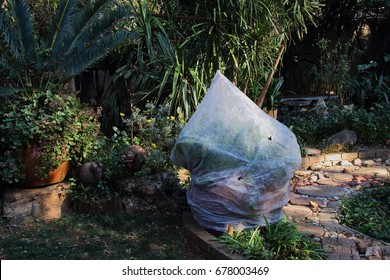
{"x": 156, "y": 130}
{"x": 368, "y": 211}
{"x": 370, "y": 125}
{"x": 107, "y": 152}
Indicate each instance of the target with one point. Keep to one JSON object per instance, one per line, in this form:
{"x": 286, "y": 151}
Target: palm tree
{"x": 78, "y": 36}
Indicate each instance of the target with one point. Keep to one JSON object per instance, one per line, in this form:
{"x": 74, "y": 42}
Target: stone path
{"x": 313, "y": 206}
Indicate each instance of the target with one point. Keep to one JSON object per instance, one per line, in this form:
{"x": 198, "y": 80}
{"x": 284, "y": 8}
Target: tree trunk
{"x": 263, "y": 93}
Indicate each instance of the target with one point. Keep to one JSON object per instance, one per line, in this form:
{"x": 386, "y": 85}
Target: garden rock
{"x": 345, "y": 137}
{"x": 146, "y": 193}
{"x": 321, "y": 109}
{"x": 45, "y": 203}
{"x": 357, "y": 162}
{"x": 320, "y": 191}
{"x": 240, "y": 159}
{"x": 369, "y": 163}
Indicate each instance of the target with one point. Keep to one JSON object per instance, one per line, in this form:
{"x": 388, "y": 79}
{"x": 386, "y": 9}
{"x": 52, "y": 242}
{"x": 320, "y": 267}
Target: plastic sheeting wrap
{"x": 241, "y": 160}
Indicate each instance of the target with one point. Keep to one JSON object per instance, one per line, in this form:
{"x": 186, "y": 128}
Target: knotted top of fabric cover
{"x": 240, "y": 159}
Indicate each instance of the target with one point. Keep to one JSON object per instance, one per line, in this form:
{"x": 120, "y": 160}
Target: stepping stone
{"x": 298, "y": 213}
{"x": 310, "y": 229}
{"x": 381, "y": 171}
{"x": 328, "y": 182}
{"x": 336, "y": 227}
{"x": 320, "y": 191}
{"x": 340, "y": 248}
{"x": 305, "y": 201}
{"x": 327, "y": 216}
{"x": 333, "y": 204}
{"x": 341, "y": 178}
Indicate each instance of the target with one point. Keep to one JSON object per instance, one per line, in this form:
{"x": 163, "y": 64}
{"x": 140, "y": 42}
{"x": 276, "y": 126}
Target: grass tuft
{"x": 278, "y": 241}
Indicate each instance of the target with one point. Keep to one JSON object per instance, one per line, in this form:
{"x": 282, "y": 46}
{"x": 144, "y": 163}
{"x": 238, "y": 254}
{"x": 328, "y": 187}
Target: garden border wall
{"x": 335, "y": 158}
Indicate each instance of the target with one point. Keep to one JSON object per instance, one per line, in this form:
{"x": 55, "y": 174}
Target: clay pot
{"x": 32, "y": 180}
{"x": 90, "y": 173}
{"x": 135, "y": 157}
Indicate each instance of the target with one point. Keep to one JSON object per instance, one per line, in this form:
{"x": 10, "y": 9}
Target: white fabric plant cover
{"x": 241, "y": 160}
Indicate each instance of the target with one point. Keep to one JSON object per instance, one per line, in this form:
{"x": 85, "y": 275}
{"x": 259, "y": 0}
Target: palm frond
{"x": 88, "y": 37}
{"x": 24, "y": 27}
{"x": 77, "y": 62}
{"x": 61, "y": 27}
{"x": 16, "y": 39}
{"x": 91, "y": 22}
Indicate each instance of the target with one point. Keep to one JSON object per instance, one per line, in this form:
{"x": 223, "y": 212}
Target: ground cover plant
{"x": 279, "y": 241}
{"x": 111, "y": 236}
{"x": 311, "y": 129}
{"x": 369, "y": 211}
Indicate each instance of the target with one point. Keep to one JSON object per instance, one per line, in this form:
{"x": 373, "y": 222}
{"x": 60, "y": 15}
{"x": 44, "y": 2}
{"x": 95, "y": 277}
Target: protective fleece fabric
{"x": 241, "y": 160}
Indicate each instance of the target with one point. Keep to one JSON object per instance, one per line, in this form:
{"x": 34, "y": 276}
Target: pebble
{"x": 358, "y": 187}
{"x": 313, "y": 178}
{"x": 328, "y": 163}
{"x": 315, "y": 221}
{"x": 369, "y": 163}
{"x": 316, "y": 167}
{"x": 345, "y": 163}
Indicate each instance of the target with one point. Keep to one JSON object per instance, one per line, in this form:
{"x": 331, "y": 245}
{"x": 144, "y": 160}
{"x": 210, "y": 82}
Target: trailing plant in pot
{"x": 55, "y": 128}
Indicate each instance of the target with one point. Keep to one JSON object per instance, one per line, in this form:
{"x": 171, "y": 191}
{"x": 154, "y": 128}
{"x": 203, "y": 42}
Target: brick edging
{"x": 203, "y": 242}
{"x": 337, "y": 157}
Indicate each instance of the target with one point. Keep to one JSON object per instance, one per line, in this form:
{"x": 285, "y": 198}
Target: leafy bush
{"x": 369, "y": 211}
{"x": 368, "y": 124}
{"x": 154, "y": 129}
{"x": 107, "y": 152}
{"x": 279, "y": 241}
{"x": 59, "y": 125}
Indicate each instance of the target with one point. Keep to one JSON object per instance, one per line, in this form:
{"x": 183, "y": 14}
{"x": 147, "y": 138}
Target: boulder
{"x": 344, "y": 137}
{"x": 44, "y": 203}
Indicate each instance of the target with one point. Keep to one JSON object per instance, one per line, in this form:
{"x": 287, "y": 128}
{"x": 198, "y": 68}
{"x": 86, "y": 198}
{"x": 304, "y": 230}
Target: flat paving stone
{"x": 305, "y": 201}
{"x": 341, "y": 178}
{"x": 328, "y": 182}
{"x": 336, "y": 227}
{"x": 298, "y": 213}
{"x": 320, "y": 191}
{"x": 311, "y": 229}
{"x": 333, "y": 204}
{"x": 327, "y": 217}
{"x": 380, "y": 171}
{"x": 340, "y": 248}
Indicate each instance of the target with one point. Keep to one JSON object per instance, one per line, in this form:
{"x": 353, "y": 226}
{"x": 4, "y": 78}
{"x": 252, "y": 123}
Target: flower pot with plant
{"x": 43, "y": 131}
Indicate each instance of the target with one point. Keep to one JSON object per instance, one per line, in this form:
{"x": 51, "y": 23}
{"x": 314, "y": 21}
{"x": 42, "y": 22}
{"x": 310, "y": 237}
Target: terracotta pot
{"x": 31, "y": 161}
